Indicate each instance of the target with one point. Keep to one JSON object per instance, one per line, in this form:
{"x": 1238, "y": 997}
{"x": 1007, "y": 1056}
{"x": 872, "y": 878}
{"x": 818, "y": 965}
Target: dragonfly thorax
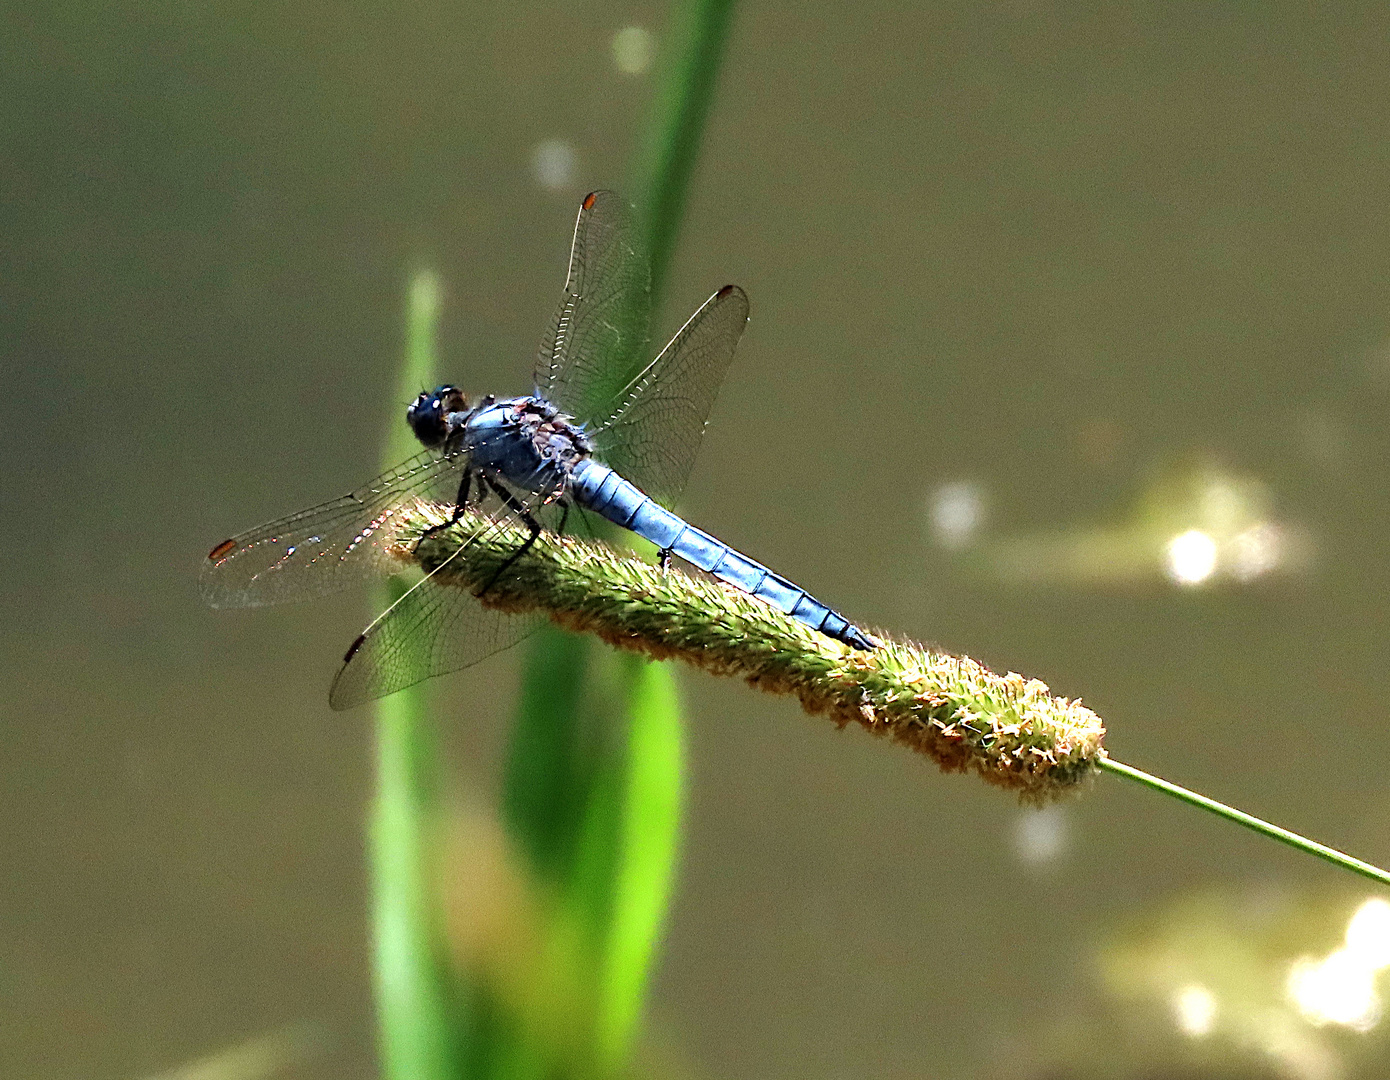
{"x": 526, "y": 441}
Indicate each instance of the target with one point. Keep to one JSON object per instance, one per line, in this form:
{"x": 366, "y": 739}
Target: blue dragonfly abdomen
{"x": 598, "y": 488}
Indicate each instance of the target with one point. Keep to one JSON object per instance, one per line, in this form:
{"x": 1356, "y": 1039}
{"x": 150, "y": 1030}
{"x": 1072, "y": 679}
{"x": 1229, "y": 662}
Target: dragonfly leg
{"x": 519, "y": 508}
{"x": 564, "y": 515}
{"x": 663, "y": 558}
{"x": 460, "y": 504}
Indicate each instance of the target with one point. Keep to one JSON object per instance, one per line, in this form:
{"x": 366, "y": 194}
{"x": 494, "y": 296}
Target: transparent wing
{"x": 432, "y": 629}
{"x": 655, "y": 431}
{"x": 601, "y": 327}
{"x": 326, "y": 547}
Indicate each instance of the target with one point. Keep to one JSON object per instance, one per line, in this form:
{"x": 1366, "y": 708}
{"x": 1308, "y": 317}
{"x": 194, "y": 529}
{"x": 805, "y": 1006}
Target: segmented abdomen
{"x": 603, "y": 491}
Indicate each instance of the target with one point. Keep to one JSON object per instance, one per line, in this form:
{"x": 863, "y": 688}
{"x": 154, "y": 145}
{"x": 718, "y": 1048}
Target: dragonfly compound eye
{"x": 426, "y": 415}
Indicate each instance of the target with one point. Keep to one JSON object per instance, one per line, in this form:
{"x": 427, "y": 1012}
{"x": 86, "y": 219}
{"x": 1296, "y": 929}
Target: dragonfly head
{"x": 428, "y": 414}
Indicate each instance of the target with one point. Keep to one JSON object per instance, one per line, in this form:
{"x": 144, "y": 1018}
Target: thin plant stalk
{"x": 415, "y": 1029}
{"x": 632, "y": 798}
{"x": 666, "y": 160}
{"x": 1106, "y": 763}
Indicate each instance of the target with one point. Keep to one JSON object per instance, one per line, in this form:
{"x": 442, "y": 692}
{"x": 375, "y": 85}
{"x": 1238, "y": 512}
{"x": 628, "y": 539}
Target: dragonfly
{"x": 587, "y": 438}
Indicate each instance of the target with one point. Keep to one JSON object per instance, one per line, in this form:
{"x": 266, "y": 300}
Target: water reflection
{"x": 1196, "y": 1009}
{"x": 1244, "y": 976}
{"x": 1041, "y": 835}
{"x": 1194, "y": 525}
{"x": 554, "y": 163}
{"x": 274, "y": 1053}
{"x": 633, "y": 49}
{"x": 956, "y": 513}
{"x": 1340, "y": 988}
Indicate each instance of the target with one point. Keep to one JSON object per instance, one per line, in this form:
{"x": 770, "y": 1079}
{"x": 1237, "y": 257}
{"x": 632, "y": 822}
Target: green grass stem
{"x": 416, "y": 1031}
{"x": 651, "y": 799}
{"x": 1106, "y": 763}
{"x": 593, "y": 787}
{"x": 688, "y": 65}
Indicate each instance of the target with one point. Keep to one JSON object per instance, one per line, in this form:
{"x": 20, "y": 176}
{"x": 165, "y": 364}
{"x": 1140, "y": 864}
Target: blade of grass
{"x": 644, "y": 877}
{"x": 644, "y": 873}
{"x": 417, "y": 1037}
{"x": 603, "y": 825}
{"x": 543, "y": 787}
{"x": 689, "y": 66}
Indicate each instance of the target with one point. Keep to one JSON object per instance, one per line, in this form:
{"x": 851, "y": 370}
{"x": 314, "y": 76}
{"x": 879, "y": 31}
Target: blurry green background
{"x": 1035, "y": 289}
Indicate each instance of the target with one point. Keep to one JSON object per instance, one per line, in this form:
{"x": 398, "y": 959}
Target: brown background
{"x": 971, "y": 234}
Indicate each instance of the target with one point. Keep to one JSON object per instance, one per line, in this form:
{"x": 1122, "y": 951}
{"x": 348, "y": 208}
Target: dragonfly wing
{"x": 601, "y": 327}
{"x": 433, "y": 628}
{"x": 654, "y": 433}
{"x": 326, "y": 547}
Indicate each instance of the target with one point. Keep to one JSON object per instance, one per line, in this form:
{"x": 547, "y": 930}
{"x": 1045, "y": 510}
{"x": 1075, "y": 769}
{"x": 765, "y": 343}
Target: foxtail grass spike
{"x": 1008, "y": 729}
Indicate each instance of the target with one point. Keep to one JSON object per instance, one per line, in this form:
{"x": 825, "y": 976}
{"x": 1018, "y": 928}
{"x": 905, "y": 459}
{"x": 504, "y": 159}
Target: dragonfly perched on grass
{"x": 586, "y": 439}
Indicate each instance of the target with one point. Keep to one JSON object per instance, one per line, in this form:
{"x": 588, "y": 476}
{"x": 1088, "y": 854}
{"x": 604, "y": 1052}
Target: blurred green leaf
{"x": 592, "y": 788}
{"x": 419, "y": 1039}
{"x": 647, "y": 851}
{"x": 594, "y": 777}
{"x": 689, "y": 64}
{"x": 547, "y": 781}
{"x": 592, "y": 801}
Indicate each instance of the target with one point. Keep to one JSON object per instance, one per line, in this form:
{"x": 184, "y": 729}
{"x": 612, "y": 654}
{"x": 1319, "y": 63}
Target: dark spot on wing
{"x": 221, "y": 549}
{"x": 352, "y": 649}
{"x": 590, "y": 199}
{"x": 725, "y": 291}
